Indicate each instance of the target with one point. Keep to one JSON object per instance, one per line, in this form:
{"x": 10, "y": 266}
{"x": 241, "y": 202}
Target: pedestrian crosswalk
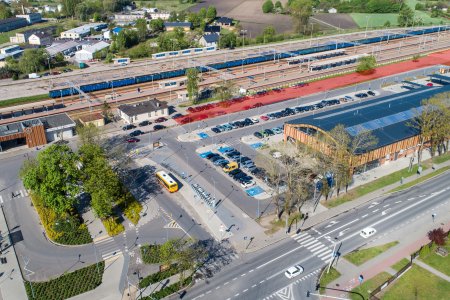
{"x": 108, "y": 248}
{"x": 316, "y": 247}
{"x": 13, "y": 194}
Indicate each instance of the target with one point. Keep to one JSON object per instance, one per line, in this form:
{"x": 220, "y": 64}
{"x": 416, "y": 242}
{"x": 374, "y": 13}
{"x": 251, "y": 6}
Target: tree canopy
{"x": 300, "y": 11}
{"x": 192, "y": 83}
{"x": 267, "y": 6}
{"x": 366, "y": 64}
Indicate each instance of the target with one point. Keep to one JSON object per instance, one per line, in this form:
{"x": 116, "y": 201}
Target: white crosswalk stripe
{"x": 316, "y": 247}
{"x": 307, "y": 240}
{"x": 324, "y": 253}
{"x": 310, "y": 242}
{"x": 1, "y": 199}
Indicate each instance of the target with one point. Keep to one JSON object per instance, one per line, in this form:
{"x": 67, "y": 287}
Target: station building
{"x": 36, "y": 132}
{"x": 387, "y": 118}
{"x": 143, "y": 111}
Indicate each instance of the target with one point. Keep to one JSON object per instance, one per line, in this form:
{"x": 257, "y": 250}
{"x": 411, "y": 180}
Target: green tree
{"x": 202, "y": 13}
{"x": 141, "y": 27}
{"x": 405, "y": 16}
{"x": 228, "y": 40}
{"x": 225, "y": 90}
{"x": 269, "y": 33}
{"x": 88, "y": 134}
{"x": 192, "y": 83}
{"x": 5, "y": 11}
{"x": 168, "y": 252}
{"x": 194, "y": 19}
{"x": 366, "y": 63}
{"x": 267, "y": 6}
{"x": 54, "y": 177}
{"x": 278, "y": 6}
{"x": 69, "y": 7}
{"x": 300, "y": 11}
{"x": 32, "y": 60}
{"x": 157, "y": 25}
{"x": 211, "y": 13}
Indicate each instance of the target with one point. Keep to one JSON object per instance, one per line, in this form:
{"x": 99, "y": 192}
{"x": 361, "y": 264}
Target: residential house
{"x": 210, "y": 29}
{"x": 12, "y": 23}
{"x": 87, "y": 52}
{"x": 82, "y": 31}
{"x": 170, "y": 26}
{"x": 143, "y": 111}
{"x": 40, "y": 38}
{"x": 224, "y": 21}
{"x": 209, "y": 40}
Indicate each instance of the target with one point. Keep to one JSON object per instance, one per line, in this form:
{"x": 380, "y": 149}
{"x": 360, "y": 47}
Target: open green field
{"x": 361, "y": 256}
{"x": 370, "y": 285}
{"x": 418, "y": 283}
{"x": 166, "y": 5}
{"x": 438, "y": 262}
{"x": 374, "y": 20}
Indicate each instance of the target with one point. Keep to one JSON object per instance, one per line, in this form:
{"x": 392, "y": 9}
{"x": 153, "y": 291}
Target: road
{"x": 261, "y": 275}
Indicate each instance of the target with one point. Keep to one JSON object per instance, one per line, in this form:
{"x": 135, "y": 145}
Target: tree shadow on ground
{"x": 218, "y": 255}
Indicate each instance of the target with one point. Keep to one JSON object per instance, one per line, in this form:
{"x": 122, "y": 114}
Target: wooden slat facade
{"x": 34, "y": 136}
{"x": 389, "y": 152}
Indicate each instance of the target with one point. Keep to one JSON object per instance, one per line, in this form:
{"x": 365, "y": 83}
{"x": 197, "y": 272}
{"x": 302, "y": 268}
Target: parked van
{"x": 230, "y": 167}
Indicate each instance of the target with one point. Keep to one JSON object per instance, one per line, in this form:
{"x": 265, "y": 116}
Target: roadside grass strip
{"x": 361, "y": 256}
{"x": 327, "y": 278}
{"x": 421, "y": 179}
{"x": 257, "y": 145}
{"x": 254, "y": 191}
{"x": 23, "y": 100}
{"x": 203, "y": 135}
{"x": 440, "y": 263}
{"x": 370, "y": 285}
{"x": 204, "y": 154}
{"x": 400, "y": 264}
{"x": 417, "y": 283}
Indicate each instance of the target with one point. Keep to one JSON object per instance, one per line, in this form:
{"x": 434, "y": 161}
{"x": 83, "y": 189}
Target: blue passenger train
{"x": 239, "y": 62}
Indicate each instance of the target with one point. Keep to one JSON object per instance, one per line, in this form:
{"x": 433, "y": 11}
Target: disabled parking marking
{"x": 257, "y": 145}
{"x": 254, "y": 191}
{"x": 204, "y": 154}
{"x": 203, "y": 135}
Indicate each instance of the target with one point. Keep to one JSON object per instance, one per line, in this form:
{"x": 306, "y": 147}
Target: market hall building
{"x": 387, "y": 118}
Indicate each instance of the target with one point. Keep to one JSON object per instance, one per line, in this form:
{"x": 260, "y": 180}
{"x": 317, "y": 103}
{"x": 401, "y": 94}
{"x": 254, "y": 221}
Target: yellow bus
{"x": 167, "y": 181}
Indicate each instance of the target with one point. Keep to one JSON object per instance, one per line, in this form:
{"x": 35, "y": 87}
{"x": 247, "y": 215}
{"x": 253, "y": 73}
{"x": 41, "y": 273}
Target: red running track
{"x": 244, "y": 103}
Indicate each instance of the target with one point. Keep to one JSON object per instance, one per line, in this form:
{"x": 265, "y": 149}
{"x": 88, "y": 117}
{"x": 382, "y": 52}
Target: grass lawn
{"x": 167, "y": 5}
{"x": 369, "y": 285}
{"x": 420, "y": 179}
{"x": 400, "y": 264}
{"x": 418, "y": 283}
{"x": 23, "y": 100}
{"x": 361, "y": 256}
{"x": 442, "y": 158}
{"x": 327, "y": 278}
{"x": 372, "y": 186}
{"x": 438, "y": 262}
{"x": 374, "y": 20}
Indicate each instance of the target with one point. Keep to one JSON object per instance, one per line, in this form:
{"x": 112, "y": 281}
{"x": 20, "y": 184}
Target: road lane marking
{"x": 218, "y": 287}
{"x": 375, "y": 210}
{"x": 226, "y": 283}
{"x": 307, "y": 240}
{"x": 1, "y": 199}
{"x": 409, "y": 199}
{"x": 398, "y": 201}
{"x": 254, "y": 285}
{"x": 324, "y": 253}
{"x": 251, "y": 271}
{"x": 331, "y": 224}
{"x": 309, "y": 243}
{"x": 384, "y": 212}
{"x": 235, "y": 278}
{"x": 338, "y": 228}
{"x": 277, "y": 258}
{"x": 208, "y": 292}
{"x": 395, "y": 214}
{"x": 242, "y": 275}
{"x": 237, "y": 295}
{"x": 244, "y": 290}
{"x": 386, "y": 205}
{"x": 365, "y": 216}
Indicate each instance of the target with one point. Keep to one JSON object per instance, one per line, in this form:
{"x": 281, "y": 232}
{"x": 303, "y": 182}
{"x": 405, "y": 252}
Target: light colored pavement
{"x": 11, "y": 281}
{"x": 432, "y": 270}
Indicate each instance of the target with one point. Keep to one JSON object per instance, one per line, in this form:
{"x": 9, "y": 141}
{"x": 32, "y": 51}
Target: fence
{"x": 399, "y": 273}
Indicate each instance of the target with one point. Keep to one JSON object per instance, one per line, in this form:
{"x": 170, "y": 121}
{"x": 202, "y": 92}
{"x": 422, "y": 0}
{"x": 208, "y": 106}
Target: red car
{"x": 160, "y": 120}
{"x": 133, "y": 140}
{"x": 264, "y": 118}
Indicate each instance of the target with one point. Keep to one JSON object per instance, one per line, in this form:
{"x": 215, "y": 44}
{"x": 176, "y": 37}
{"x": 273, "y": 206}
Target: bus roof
{"x": 166, "y": 177}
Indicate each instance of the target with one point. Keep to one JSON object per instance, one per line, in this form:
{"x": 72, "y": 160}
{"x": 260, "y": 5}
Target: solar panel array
{"x": 384, "y": 121}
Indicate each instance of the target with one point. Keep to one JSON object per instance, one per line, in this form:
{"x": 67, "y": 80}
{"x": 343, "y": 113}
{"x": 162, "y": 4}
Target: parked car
{"x": 160, "y": 120}
{"x": 258, "y": 135}
{"x": 269, "y": 132}
{"x": 264, "y": 118}
{"x": 176, "y": 116}
{"x": 128, "y": 127}
{"x": 255, "y": 120}
{"x": 216, "y": 158}
{"x": 371, "y": 93}
{"x": 144, "y": 123}
{"x": 248, "y": 184}
{"x": 277, "y": 130}
{"x": 210, "y": 156}
{"x": 136, "y": 133}
{"x": 215, "y": 130}
{"x": 158, "y": 127}
{"x": 234, "y": 172}
{"x": 228, "y": 150}
{"x": 133, "y": 140}
{"x": 230, "y": 167}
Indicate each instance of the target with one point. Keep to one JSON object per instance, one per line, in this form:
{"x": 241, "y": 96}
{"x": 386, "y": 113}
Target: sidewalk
{"x": 381, "y": 263}
{"x": 11, "y": 282}
{"x": 431, "y": 270}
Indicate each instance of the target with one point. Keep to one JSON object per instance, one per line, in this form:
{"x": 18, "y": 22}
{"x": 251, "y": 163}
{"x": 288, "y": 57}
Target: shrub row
{"x": 158, "y": 276}
{"x": 150, "y": 254}
{"x": 169, "y": 290}
{"x": 67, "y": 285}
{"x": 81, "y": 237}
{"x": 113, "y": 226}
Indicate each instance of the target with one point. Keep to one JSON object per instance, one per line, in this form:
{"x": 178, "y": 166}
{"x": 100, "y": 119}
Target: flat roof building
{"x": 386, "y": 118}
{"x": 143, "y": 111}
{"x": 82, "y": 31}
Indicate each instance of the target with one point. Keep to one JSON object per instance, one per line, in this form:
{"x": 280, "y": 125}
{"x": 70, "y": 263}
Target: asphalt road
{"x": 261, "y": 275}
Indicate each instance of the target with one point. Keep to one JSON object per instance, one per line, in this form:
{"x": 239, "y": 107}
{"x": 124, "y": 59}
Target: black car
{"x": 234, "y": 172}
{"x": 371, "y": 93}
{"x": 248, "y": 121}
{"x": 269, "y": 132}
{"x": 245, "y": 178}
{"x": 215, "y": 130}
{"x": 223, "y": 164}
{"x": 216, "y": 158}
{"x": 175, "y": 116}
{"x": 233, "y": 153}
{"x": 144, "y": 123}
{"x": 258, "y": 135}
{"x": 244, "y": 159}
{"x": 158, "y": 127}
{"x": 136, "y": 133}
{"x": 128, "y": 127}
{"x": 239, "y": 175}
{"x": 210, "y": 156}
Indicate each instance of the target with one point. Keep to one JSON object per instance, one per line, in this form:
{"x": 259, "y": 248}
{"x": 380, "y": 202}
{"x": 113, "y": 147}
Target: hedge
{"x": 158, "y": 276}
{"x": 67, "y": 285}
{"x": 48, "y": 219}
{"x": 131, "y": 208}
{"x": 113, "y": 226}
{"x": 169, "y": 290}
{"x": 150, "y": 254}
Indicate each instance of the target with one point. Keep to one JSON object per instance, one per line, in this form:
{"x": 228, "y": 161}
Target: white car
{"x": 248, "y": 184}
{"x": 367, "y": 232}
{"x": 254, "y": 120}
{"x": 293, "y": 271}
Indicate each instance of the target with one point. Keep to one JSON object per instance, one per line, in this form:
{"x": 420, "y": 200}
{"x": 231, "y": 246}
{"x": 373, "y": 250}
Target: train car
{"x": 172, "y": 83}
